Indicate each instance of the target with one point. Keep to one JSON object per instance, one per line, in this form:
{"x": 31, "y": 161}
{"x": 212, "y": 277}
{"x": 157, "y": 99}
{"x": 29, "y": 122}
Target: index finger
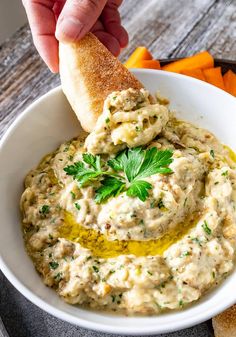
{"x": 43, "y": 25}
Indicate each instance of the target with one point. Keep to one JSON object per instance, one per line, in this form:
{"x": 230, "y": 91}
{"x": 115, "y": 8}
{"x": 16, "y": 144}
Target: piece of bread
{"x": 89, "y": 72}
{"x": 224, "y": 324}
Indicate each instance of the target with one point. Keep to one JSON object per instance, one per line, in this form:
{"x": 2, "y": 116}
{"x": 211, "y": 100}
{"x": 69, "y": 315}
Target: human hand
{"x": 70, "y": 20}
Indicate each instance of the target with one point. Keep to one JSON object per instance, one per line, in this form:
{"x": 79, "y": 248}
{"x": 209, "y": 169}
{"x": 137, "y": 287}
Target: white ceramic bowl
{"x": 42, "y": 128}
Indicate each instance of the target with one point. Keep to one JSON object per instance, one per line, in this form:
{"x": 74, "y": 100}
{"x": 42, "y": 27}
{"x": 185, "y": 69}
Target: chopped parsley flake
{"x": 77, "y": 206}
{"x": 212, "y": 153}
{"x": 185, "y": 254}
{"x": 58, "y": 276}
{"x": 107, "y": 120}
{"x": 53, "y": 265}
{"x": 66, "y": 149}
{"x": 72, "y": 194}
{"x": 45, "y": 209}
{"x": 160, "y": 204}
{"x": 225, "y": 174}
{"x": 206, "y": 228}
{"x": 96, "y": 269}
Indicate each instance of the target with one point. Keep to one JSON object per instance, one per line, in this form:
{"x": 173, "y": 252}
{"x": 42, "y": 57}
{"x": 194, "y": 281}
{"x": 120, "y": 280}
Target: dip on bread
{"x": 139, "y": 216}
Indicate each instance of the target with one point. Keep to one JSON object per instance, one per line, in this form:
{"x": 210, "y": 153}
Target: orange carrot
{"x": 201, "y": 60}
{"x": 196, "y": 73}
{"x": 230, "y": 82}
{"x": 214, "y": 76}
{"x": 149, "y": 64}
{"x": 140, "y": 53}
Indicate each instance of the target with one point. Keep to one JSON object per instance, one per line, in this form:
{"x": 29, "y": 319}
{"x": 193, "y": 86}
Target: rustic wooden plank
{"x": 162, "y": 25}
{"x": 216, "y": 32}
{"x": 130, "y": 9}
{"x": 23, "y": 77}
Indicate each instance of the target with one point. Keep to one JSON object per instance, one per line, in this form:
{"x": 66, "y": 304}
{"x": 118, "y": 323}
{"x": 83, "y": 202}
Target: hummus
{"x": 125, "y": 254}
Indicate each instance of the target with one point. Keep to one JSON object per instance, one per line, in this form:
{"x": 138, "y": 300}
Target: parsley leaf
{"x": 132, "y": 163}
{"x": 139, "y": 189}
{"x": 83, "y": 174}
{"x": 155, "y": 161}
{"x": 135, "y": 163}
{"x": 72, "y": 170}
{"x": 138, "y": 163}
{"x": 94, "y": 161}
{"x": 111, "y": 187}
{"x": 118, "y": 163}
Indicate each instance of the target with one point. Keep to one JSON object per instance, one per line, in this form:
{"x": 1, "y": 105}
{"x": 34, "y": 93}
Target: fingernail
{"x": 69, "y": 29}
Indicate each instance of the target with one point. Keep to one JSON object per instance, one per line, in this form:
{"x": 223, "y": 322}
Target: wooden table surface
{"x": 169, "y": 28}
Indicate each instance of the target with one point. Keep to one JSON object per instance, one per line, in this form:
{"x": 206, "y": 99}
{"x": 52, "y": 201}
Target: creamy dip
{"x": 126, "y": 254}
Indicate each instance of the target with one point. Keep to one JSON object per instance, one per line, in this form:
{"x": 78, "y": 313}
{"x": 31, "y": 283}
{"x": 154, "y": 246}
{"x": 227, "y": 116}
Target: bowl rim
{"x": 102, "y": 327}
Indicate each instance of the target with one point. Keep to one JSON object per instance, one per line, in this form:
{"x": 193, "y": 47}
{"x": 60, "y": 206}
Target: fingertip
{"x": 54, "y": 68}
{"x": 69, "y": 29}
{"x": 109, "y": 41}
{"x": 123, "y": 37}
{"x": 48, "y": 49}
{"x": 118, "y": 32}
{"x": 77, "y": 18}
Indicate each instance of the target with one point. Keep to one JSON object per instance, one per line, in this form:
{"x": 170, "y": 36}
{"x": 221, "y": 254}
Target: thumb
{"x": 77, "y": 18}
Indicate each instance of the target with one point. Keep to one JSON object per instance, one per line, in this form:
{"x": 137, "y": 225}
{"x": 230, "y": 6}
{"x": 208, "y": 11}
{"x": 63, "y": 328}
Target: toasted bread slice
{"x": 224, "y": 324}
{"x": 89, "y": 73}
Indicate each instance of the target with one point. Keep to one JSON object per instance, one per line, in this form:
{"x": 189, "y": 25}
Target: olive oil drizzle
{"x": 101, "y": 247}
{"x": 231, "y": 153}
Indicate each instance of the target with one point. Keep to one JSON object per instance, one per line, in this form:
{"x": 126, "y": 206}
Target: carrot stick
{"x": 140, "y": 53}
{"x": 230, "y": 82}
{"x": 149, "y": 64}
{"x": 196, "y": 73}
{"x": 214, "y": 76}
{"x": 201, "y": 60}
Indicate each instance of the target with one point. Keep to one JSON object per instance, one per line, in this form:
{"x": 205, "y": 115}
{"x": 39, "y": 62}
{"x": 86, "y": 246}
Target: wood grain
{"x": 215, "y": 32}
{"x": 169, "y": 28}
{"x": 169, "y": 22}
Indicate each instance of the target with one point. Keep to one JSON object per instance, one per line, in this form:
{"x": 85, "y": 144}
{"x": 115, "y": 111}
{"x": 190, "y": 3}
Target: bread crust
{"x": 224, "y": 324}
{"x": 89, "y": 73}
